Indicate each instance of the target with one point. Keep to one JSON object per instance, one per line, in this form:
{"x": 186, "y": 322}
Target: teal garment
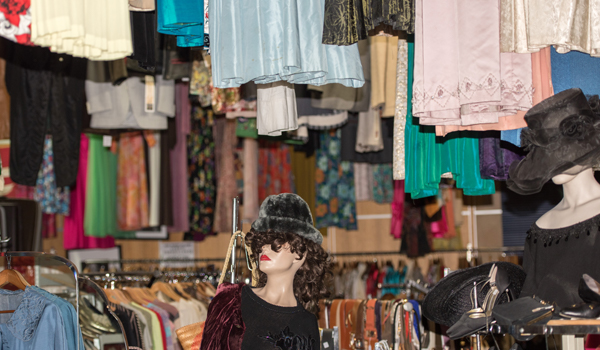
{"x": 336, "y": 201}
{"x": 383, "y": 183}
{"x": 427, "y": 157}
{"x": 185, "y": 19}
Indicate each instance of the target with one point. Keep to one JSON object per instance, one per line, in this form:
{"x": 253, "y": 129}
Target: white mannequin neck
{"x": 581, "y": 201}
{"x": 279, "y": 290}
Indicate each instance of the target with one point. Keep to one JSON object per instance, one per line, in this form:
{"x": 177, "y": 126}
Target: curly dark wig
{"x": 310, "y": 279}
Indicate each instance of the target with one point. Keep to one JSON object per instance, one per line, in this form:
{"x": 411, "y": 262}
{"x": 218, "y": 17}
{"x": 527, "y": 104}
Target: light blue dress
{"x": 273, "y": 40}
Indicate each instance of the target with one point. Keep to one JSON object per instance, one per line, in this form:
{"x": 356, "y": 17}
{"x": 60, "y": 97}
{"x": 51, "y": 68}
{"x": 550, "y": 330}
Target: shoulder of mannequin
{"x": 560, "y": 217}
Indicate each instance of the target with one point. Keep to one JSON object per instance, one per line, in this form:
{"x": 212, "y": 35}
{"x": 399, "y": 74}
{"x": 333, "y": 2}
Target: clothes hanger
{"x": 165, "y": 289}
{"x": 9, "y": 276}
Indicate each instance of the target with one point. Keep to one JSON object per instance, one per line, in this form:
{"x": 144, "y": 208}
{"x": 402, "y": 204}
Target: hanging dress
{"x": 270, "y": 41}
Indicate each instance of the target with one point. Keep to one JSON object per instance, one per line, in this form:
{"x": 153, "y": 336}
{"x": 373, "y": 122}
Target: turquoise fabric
{"x": 383, "y": 183}
{"x": 273, "y": 40}
{"x": 336, "y": 201}
{"x": 185, "y": 19}
{"x": 427, "y": 157}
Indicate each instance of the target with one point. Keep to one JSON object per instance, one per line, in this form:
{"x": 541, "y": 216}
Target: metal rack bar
{"x": 234, "y": 229}
{"x": 149, "y": 261}
{"x": 480, "y": 250}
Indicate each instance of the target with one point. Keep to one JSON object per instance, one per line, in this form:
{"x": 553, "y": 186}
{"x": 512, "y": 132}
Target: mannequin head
{"x": 290, "y": 253}
{"x": 273, "y": 262}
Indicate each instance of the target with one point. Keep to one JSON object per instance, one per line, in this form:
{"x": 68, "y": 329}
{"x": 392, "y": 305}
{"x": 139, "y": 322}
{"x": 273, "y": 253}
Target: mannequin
{"x": 563, "y": 139}
{"x": 581, "y": 199}
{"x": 279, "y": 312}
{"x": 280, "y": 267}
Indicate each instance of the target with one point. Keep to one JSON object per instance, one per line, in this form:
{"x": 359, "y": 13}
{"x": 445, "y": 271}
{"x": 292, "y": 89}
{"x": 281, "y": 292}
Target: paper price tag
{"x": 325, "y": 345}
{"x": 150, "y": 98}
{"x": 106, "y": 140}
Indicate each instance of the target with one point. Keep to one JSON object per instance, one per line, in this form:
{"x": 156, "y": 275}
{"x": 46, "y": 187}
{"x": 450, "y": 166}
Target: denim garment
{"x": 37, "y": 323}
{"x": 72, "y": 329}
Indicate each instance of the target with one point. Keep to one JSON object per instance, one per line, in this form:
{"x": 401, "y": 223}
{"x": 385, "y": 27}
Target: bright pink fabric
{"x": 73, "y": 236}
{"x": 440, "y": 228}
{"x": 397, "y": 209}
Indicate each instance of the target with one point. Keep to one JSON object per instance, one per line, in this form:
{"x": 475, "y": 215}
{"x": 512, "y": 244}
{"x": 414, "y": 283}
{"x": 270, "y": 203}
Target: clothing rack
{"x": 91, "y": 286}
{"x": 469, "y": 251}
{"x": 517, "y": 249}
{"x": 408, "y": 285}
{"x": 149, "y": 261}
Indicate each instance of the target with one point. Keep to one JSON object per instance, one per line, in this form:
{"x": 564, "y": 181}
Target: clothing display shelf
{"x": 50, "y": 273}
{"x": 88, "y": 286}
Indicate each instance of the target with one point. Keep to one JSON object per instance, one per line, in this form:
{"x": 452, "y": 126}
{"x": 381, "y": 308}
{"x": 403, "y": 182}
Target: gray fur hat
{"x": 289, "y": 213}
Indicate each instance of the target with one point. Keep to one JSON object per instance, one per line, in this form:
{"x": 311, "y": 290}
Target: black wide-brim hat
{"x": 563, "y": 132}
{"x": 450, "y": 298}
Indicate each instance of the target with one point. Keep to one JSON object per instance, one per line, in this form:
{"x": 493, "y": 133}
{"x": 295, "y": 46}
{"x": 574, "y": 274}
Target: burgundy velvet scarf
{"x": 224, "y": 327}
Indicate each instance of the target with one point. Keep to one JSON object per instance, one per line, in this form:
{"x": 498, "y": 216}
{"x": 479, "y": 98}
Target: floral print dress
{"x": 201, "y": 170}
{"x": 336, "y": 203}
{"x": 15, "y": 20}
{"x": 54, "y": 200}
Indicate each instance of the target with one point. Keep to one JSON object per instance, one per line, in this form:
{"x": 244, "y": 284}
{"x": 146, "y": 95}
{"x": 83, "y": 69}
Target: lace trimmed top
{"x": 36, "y": 323}
{"x": 555, "y": 260}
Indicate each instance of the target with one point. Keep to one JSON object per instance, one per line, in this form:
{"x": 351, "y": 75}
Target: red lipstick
{"x": 264, "y": 258}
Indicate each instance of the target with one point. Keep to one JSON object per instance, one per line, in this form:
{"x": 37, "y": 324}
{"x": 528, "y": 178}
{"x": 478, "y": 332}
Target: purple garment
{"x": 495, "y": 157}
{"x": 179, "y": 161}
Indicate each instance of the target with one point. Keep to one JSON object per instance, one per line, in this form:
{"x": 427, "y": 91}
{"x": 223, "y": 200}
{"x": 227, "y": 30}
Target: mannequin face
{"x": 568, "y": 175}
{"x": 283, "y": 261}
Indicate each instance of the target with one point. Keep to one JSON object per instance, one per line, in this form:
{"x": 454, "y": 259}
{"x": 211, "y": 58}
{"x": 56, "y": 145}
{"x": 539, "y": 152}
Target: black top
{"x": 270, "y": 327}
{"x": 555, "y": 260}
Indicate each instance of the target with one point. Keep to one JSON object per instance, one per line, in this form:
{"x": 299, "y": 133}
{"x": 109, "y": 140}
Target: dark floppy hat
{"x": 450, "y": 298}
{"x": 287, "y": 212}
{"x": 563, "y": 132}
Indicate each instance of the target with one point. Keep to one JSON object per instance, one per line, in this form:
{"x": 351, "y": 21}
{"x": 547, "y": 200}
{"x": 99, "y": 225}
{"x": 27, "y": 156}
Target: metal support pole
{"x": 234, "y": 228}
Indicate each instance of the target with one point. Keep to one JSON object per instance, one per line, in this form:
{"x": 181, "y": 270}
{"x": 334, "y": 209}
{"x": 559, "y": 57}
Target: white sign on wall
{"x": 176, "y": 250}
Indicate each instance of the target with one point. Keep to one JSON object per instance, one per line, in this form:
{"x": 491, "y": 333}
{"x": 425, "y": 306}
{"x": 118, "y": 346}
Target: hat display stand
{"x": 232, "y": 250}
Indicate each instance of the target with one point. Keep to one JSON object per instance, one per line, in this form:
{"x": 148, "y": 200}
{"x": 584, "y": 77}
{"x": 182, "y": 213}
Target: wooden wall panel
{"x": 373, "y": 234}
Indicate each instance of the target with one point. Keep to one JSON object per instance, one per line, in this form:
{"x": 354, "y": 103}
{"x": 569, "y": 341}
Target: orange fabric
{"x": 449, "y": 208}
{"x": 542, "y": 85}
{"x": 198, "y": 339}
{"x": 132, "y": 183}
{"x": 370, "y": 334}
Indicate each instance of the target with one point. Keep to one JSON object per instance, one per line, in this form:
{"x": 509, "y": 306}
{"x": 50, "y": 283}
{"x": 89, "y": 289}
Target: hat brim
{"x": 539, "y": 166}
{"x": 288, "y": 225}
{"x": 450, "y": 298}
